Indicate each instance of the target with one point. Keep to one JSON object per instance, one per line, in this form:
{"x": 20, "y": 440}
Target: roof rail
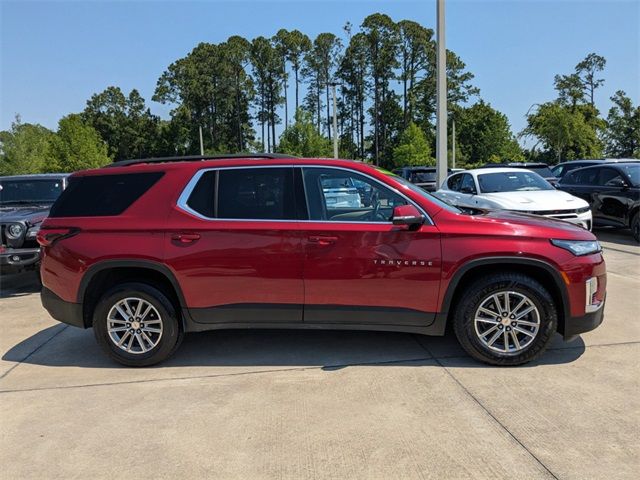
{"x": 197, "y": 158}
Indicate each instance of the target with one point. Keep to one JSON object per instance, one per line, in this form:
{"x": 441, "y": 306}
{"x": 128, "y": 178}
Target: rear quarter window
{"x": 102, "y": 195}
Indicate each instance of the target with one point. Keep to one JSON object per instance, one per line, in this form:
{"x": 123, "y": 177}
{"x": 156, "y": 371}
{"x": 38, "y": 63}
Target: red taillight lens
{"x": 48, "y": 236}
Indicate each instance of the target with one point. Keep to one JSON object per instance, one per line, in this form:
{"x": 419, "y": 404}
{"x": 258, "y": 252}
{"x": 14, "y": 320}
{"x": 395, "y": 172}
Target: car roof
{"x": 483, "y": 171}
{"x": 615, "y": 165}
{"x": 514, "y": 165}
{"x": 36, "y": 176}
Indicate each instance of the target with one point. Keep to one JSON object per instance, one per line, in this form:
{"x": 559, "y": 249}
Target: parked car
{"x": 147, "y": 250}
{"x": 561, "y": 169}
{"x": 24, "y": 203}
{"x": 613, "y": 192}
{"x": 541, "y": 169}
{"x": 424, "y": 177}
{"x": 516, "y": 190}
{"x": 341, "y": 193}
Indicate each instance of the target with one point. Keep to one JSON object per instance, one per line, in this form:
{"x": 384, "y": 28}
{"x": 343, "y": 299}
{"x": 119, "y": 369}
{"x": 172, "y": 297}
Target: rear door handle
{"x": 322, "y": 240}
{"x": 185, "y": 237}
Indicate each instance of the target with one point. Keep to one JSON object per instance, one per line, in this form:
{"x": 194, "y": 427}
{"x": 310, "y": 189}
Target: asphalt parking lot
{"x": 292, "y": 404}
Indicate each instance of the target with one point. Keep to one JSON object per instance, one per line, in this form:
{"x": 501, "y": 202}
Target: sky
{"x": 55, "y": 54}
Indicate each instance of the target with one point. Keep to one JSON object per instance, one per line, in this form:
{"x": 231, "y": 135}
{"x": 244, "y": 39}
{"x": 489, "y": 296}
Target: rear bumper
{"x": 63, "y": 311}
{"x": 574, "y": 326}
{"x": 14, "y": 260}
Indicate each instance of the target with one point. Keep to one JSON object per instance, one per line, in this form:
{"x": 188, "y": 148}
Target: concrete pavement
{"x": 295, "y": 404}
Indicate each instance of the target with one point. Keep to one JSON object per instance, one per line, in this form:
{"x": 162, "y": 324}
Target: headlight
{"x": 583, "y": 209}
{"x": 578, "y": 247}
{"x": 15, "y": 230}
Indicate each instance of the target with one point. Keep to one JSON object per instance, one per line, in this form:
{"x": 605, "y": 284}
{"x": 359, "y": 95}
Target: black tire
{"x": 464, "y": 324}
{"x": 635, "y": 227}
{"x": 168, "y": 341}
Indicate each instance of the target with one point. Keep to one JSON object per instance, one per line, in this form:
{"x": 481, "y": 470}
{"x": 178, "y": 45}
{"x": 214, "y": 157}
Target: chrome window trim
{"x": 188, "y": 189}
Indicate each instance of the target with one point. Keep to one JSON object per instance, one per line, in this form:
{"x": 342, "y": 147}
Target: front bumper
{"x": 584, "y": 219}
{"x": 63, "y": 311}
{"x": 14, "y": 260}
{"x": 573, "y": 326}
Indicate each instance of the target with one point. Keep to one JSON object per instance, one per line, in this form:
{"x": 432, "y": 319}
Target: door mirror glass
{"x": 407, "y": 215}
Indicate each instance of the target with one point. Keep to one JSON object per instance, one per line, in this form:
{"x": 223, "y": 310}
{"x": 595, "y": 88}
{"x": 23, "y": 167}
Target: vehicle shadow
{"x": 18, "y": 284}
{"x": 620, "y": 236}
{"x": 71, "y": 347}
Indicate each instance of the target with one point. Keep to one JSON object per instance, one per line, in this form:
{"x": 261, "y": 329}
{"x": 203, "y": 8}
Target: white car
{"x": 513, "y": 189}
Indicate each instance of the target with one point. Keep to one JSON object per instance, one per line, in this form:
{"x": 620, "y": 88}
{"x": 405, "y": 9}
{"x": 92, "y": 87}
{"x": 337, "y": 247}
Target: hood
{"x": 533, "y": 201}
{"x": 24, "y": 213}
{"x": 502, "y": 222}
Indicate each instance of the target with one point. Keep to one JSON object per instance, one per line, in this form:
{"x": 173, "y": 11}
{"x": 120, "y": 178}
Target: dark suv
{"x": 25, "y": 201}
{"x": 613, "y": 192}
{"x": 148, "y": 250}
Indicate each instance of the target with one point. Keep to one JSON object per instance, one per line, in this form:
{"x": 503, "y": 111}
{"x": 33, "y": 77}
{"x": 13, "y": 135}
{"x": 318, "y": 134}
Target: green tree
{"x": 302, "y": 138}
{"x": 413, "y": 148}
{"x": 622, "y": 133}
{"x": 587, "y": 70}
{"x": 78, "y": 146}
{"x": 26, "y": 148}
{"x": 483, "y": 134}
{"x": 383, "y": 41}
{"x": 563, "y": 132}
{"x": 124, "y": 123}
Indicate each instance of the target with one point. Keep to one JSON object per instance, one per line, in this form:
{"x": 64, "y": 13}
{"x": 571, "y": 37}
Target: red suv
{"x": 146, "y": 250}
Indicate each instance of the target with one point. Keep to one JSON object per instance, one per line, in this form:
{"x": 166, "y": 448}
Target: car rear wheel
{"x": 506, "y": 319}
{"x": 136, "y": 325}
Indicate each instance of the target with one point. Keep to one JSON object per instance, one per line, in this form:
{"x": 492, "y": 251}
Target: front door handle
{"x": 185, "y": 237}
{"x": 322, "y": 240}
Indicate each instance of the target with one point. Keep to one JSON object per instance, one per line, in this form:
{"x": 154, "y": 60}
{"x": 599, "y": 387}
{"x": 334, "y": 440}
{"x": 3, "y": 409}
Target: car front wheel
{"x": 505, "y": 319}
{"x": 136, "y": 325}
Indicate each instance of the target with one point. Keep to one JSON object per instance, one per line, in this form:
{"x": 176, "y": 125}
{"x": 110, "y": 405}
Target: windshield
{"x": 423, "y": 177}
{"x": 421, "y": 191}
{"x": 633, "y": 172}
{"x": 542, "y": 170}
{"x": 512, "y": 182}
{"x": 30, "y": 191}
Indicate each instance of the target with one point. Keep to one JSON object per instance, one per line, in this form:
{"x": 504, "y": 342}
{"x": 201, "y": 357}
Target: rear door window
{"x": 245, "y": 194}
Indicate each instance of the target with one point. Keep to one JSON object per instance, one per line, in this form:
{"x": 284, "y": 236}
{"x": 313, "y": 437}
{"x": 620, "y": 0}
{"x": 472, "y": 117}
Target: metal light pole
{"x": 201, "y": 144}
{"x": 441, "y": 99}
{"x": 335, "y": 123}
{"x": 453, "y": 143}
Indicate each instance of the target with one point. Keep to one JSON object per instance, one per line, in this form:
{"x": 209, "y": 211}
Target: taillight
{"x": 49, "y": 235}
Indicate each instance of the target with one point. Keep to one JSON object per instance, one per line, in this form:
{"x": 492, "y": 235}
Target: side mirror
{"x": 407, "y": 215}
{"x": 467, "y": 190}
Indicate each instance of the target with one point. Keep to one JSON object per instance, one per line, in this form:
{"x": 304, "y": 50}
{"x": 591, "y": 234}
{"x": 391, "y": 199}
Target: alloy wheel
{"x": 507, "y": 322}
{"x": 134, "y": 325}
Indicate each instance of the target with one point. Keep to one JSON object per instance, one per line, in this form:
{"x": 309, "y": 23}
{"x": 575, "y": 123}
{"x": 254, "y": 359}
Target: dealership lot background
{"x": 255, "y": 404}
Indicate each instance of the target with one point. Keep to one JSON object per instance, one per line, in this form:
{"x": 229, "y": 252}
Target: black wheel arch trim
{"x": 509, "y": 261}
{"x": 132, "y": 263}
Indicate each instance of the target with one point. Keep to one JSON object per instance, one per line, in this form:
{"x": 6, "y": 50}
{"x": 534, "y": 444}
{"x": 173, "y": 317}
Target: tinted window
{"x": 201, "y": 198}
{"x": 512, "y": 182}
{"x": 30, "y": 191}
{"x": 360, "y": 199}
{"x": 420, "y": 176}
{"x": 588, "y": 176}
{"x": 454, "y": 182}
{"x": 102, "y": 195}
{"x": 633, "y": 172}
{"x": 609, "y": 177}
{"x": 467, "y": 184}
{"x": 256, "y": 193}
